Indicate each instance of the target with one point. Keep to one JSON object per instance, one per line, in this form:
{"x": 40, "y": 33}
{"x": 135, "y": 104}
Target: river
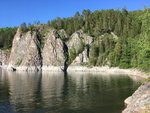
{"x": 59, "y": 93}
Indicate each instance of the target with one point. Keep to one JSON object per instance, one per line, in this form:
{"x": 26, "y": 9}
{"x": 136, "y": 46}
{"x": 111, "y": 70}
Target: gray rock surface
{"x": 25, "y": 51}
{"x": 139, "y": 102}
{"x": 79, "y": 38}
{"x": 4, "y": 56}
{"x": 48, "y": 48}
{"x": 63, "y": 34}
{"x": 78, "y": 43}
{"x": 53, "y": 51}
{"x": 81, "y": 59}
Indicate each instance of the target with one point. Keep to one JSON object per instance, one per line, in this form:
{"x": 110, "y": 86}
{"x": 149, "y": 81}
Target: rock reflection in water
{"x": 56, "y": 93}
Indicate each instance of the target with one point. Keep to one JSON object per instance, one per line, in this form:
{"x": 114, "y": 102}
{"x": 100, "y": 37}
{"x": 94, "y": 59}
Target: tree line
{"x": 132, "y": 27}
{"x": 132, "y": 49}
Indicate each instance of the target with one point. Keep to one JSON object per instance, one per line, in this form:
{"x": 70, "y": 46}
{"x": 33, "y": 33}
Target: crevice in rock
{"x": 65, "y": 48}
{"x": 39, "y": 48}
{"x": 88, "y": 50}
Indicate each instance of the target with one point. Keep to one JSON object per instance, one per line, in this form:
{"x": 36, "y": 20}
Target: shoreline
{"x": 108, "y": 70}
{"x": 81, "y": 69}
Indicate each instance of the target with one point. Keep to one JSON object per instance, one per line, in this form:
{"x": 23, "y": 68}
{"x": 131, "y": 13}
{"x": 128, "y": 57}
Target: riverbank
{"x": 33, "y": 68}
{"x": 108, "y": 70}
{"x": 82, "y": 69}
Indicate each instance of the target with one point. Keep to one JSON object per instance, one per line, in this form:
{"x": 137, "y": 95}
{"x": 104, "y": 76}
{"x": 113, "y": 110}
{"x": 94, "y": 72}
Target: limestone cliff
{"x": 48, "y": 49}
{"x": 53, "y": 51}
{"x": 79, "y": 39}
{"x": 83, "y": 48}
{"x": 25, "y": 52}
{"x": 40, "y": 48}
{"x": 78, "y": 48}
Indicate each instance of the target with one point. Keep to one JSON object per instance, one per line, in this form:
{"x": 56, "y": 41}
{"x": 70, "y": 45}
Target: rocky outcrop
{"x": 39, "y": 49}
{"x": 4, "y": 56}
{"x": 25, "y": 53}
{"x": 63, "y": 35}
{"x": 53, "y": 53}
{"x": 82, "y": 47}
{"x": 48, "y": 49}
{"x": 139, "y": 102}
{"x": 78, "y": 39}
{"x": 81, "y": 59}
{"x": 78, "y": 46}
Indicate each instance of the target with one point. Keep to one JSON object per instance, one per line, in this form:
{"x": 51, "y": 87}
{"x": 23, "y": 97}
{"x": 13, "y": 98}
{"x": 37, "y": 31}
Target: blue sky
{"x": 14, "y": 12}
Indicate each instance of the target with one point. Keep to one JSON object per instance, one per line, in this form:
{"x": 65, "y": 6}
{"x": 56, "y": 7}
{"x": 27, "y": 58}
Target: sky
{"x": 15, "y": 12}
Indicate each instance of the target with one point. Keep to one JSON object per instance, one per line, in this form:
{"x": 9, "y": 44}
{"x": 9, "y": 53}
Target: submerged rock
{"x": 139, "y": 102}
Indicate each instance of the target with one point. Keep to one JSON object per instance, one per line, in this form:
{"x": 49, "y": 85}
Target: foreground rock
{"x": 139, "y": 102}
{"x": 25, "y": 53}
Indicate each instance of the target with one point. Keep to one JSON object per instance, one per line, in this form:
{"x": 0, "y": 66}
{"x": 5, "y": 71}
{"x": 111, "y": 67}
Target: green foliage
{"x": 100, "y": 50}
{"x": 23, "y": 27}
{"x": 72, "y": 55}
{"x": 94, "y": 53}
{"x": 74, "y": 52}
{"x": 125, "y": 56}
{"x": 6, "y": 37}
{"x": 81, "y": 47}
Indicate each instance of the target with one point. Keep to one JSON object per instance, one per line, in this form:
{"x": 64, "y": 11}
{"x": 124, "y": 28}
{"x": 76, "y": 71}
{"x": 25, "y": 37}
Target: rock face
{"x": 79, "y": 38}
{"x": 78, "y": 46}
{"x": 48, "y": 49}
{"x": 53, "y": 53}
{"x": 63, "y": 34}
{"x": 139, "y": 102}
{"x": 25, "y": 53}
{"x": 4, "y": 55}
{"x": 82, "y": 58}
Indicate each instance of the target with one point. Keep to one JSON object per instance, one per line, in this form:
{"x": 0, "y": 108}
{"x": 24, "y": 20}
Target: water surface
{"x": 56, "y": 93}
